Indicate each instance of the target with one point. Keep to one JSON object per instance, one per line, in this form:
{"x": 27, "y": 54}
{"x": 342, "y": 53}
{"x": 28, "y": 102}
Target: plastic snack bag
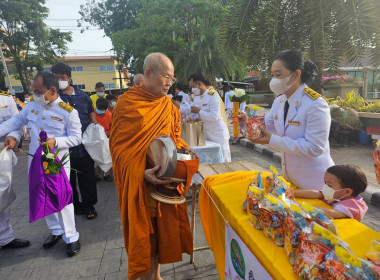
{"x": 314, "y": 248}
{"x": 271, "y": 216}
{"x": 255, "y": 196}
{"x": 344, "y": 265}
{"x": 319, "y": 217}
{"x": 255, "y": 122}
{"x": 373, "y": 252}
{"x": 257, "y": 181}
{"x": 295, "y": 226}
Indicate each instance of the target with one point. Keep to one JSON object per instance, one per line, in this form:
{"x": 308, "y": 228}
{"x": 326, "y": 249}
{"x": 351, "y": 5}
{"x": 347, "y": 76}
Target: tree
{"x": 186, "y": 31}
{"x": 28, "y": 40}
{"x": 327, "y": 31}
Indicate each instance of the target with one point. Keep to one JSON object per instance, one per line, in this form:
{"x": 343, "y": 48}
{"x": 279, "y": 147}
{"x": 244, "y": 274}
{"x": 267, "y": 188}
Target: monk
{"x": 137, "y": 80}
{"x": 154, "y": 232}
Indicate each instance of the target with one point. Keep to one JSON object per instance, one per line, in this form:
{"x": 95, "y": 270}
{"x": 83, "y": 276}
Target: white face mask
{"x": 329, "y": 193}
{"x": 196, "y": 91}
{"x": 279, "y": 86}
{"x": 63, "y": 84}
{"x": 40, "y": 98}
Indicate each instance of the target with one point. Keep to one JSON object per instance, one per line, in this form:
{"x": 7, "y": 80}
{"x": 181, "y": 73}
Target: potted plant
{"x": 338, "y": 85}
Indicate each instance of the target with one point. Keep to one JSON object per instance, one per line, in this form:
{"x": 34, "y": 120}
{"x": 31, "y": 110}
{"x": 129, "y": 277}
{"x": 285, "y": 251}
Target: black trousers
{"x": 86, "y": 182}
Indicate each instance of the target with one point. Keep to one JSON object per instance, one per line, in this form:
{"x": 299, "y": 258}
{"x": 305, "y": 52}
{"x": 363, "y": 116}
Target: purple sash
{"x": 48, "y": 194}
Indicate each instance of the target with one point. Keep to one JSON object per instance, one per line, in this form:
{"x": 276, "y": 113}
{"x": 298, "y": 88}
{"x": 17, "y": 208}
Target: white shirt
{"x": 303, "y": 140}
{"x": 8, "y": 109}
{"x": 227, "y": 103}
{"x": 55, "y": 118}
{"x": 185, "y": 97}
{"x": 214, "y": 125}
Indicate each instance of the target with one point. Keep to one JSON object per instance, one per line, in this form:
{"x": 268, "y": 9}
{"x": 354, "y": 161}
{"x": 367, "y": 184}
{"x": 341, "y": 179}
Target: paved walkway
{"x": 103, "y": 255}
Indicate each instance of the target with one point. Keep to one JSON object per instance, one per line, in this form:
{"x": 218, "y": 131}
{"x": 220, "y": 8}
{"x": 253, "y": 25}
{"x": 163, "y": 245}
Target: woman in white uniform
{"x": 298, "y": 124}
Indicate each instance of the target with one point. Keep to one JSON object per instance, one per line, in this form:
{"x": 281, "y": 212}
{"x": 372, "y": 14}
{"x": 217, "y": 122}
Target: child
{"x": 343, "y": 184}
{"x": 111, "y": 102}
{"x": 104, "y": 118}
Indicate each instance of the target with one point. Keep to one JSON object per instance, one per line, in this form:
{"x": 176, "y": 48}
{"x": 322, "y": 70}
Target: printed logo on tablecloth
{"x": 240, "y": 263}
{"x": 237, "y": 258}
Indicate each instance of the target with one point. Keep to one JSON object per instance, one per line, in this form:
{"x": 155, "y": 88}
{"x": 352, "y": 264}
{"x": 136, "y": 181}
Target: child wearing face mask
{"x": 103, "y": 118}
{"x": 343, "y": 184}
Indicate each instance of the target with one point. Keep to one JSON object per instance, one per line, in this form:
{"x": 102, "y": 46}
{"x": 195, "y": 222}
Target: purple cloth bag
{"x": 48, "y": 194}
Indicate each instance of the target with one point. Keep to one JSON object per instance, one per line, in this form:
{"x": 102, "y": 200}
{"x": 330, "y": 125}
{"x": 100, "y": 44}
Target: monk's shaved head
{"x": 137, "y": 80}
{"x": 158, "y": 74}
{"x": 155, "y": 61}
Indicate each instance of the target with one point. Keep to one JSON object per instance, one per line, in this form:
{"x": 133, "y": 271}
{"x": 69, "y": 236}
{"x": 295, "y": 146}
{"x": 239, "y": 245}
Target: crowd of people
{"x": 154, "y": 232}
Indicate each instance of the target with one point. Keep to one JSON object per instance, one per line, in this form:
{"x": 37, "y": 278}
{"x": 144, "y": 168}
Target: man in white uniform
{"x": 8, "y": 109}
{"x": 227, "y": 103}
{"x": 61, "y": 122}
{"x": 210, "y": 113}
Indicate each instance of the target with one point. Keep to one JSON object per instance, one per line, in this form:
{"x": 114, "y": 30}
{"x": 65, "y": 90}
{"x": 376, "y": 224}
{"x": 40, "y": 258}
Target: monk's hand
{"x": 263, "y": 140}
{"x": 150, "y": 176}
{"x": 10, "y": 142}
{"x": 51, "y": 143}
{"x": 188, "y": 149}
{"x": 195, "y": 110}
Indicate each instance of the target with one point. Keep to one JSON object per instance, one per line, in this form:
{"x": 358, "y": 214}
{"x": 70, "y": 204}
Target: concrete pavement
{"x": 103, "y": 255}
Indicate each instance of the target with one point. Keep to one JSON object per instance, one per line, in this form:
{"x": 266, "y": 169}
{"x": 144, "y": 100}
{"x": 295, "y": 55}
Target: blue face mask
{"x": 113, "y": 104}
{"x": 100, "y": 94}
{"x": 100, "y": 112}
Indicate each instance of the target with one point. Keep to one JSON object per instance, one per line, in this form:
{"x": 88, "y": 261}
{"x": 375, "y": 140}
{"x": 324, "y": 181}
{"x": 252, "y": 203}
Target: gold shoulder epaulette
{"x": 311, "y": 93}
{"x": 211, "y": 91}
{"x": 5, "y": 93}
{"x": 65, "y": 106}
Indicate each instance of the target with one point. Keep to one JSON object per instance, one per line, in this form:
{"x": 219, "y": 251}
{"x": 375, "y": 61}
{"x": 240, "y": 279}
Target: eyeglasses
{"x": 168, "y": 79}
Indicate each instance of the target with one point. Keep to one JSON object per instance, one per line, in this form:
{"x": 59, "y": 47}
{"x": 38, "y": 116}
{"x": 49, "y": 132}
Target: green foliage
{"x": 28, "y": 40}
{"x": 186, "y": 31}
{"x": 327, "y": 31}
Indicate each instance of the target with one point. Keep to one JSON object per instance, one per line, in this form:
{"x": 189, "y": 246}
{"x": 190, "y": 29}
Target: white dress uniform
{"x": 227, "y": 103}
{"x": 8, "y": 109}
{"x": 60, "y": 121}
{"x": 214, "y": 126}
{"x": 185, "y": 97}
{"x": 303, "y": 139}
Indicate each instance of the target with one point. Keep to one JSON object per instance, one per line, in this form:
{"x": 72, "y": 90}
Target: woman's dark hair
{"x": 102, "y": 103}
{"x": 111, "y": 97}
{"x": 293, "y": 60}
{"x": 231, "y": 87}
{"x": 350, "y": 176}
{"x": 48, "y": 79}
{"x": 178, "y": 86}
{"x": 61, "y": 68}
{"x": 177, "y": 98}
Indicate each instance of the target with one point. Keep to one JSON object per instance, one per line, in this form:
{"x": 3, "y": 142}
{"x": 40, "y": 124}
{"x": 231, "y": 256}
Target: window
{"x": 110, "y": 86}
{"x": 47, "y": 69}
{"x": 80, "y": 86}
{"x": 76, "y": 68}
{"x": 106, "y": 68}
{"x": 18, "y": 88}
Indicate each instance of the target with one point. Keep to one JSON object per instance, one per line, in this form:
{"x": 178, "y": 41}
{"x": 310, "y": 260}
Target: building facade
{"x": 86, "y": 71}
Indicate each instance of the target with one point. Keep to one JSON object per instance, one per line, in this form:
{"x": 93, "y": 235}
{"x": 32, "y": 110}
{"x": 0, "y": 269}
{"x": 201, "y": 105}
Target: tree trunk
{"x": 20, "y": 72}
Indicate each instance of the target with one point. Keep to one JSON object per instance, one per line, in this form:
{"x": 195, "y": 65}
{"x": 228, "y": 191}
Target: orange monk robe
{"x": 138, "y": 118}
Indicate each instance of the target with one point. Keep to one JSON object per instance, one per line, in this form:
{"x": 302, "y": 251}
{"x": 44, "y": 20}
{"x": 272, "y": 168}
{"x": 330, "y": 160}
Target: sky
{"x": 63, "y": 14}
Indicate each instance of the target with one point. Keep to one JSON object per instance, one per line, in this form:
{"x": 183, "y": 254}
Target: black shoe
{"x": 51, "y": 241}
{"x": 16, "y": 243}
{"x": 73, "y": 248}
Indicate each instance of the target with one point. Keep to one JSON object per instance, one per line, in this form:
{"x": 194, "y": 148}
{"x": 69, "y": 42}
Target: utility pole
{"x": 5, "y": 65}
{"x": 119, "y": 68}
